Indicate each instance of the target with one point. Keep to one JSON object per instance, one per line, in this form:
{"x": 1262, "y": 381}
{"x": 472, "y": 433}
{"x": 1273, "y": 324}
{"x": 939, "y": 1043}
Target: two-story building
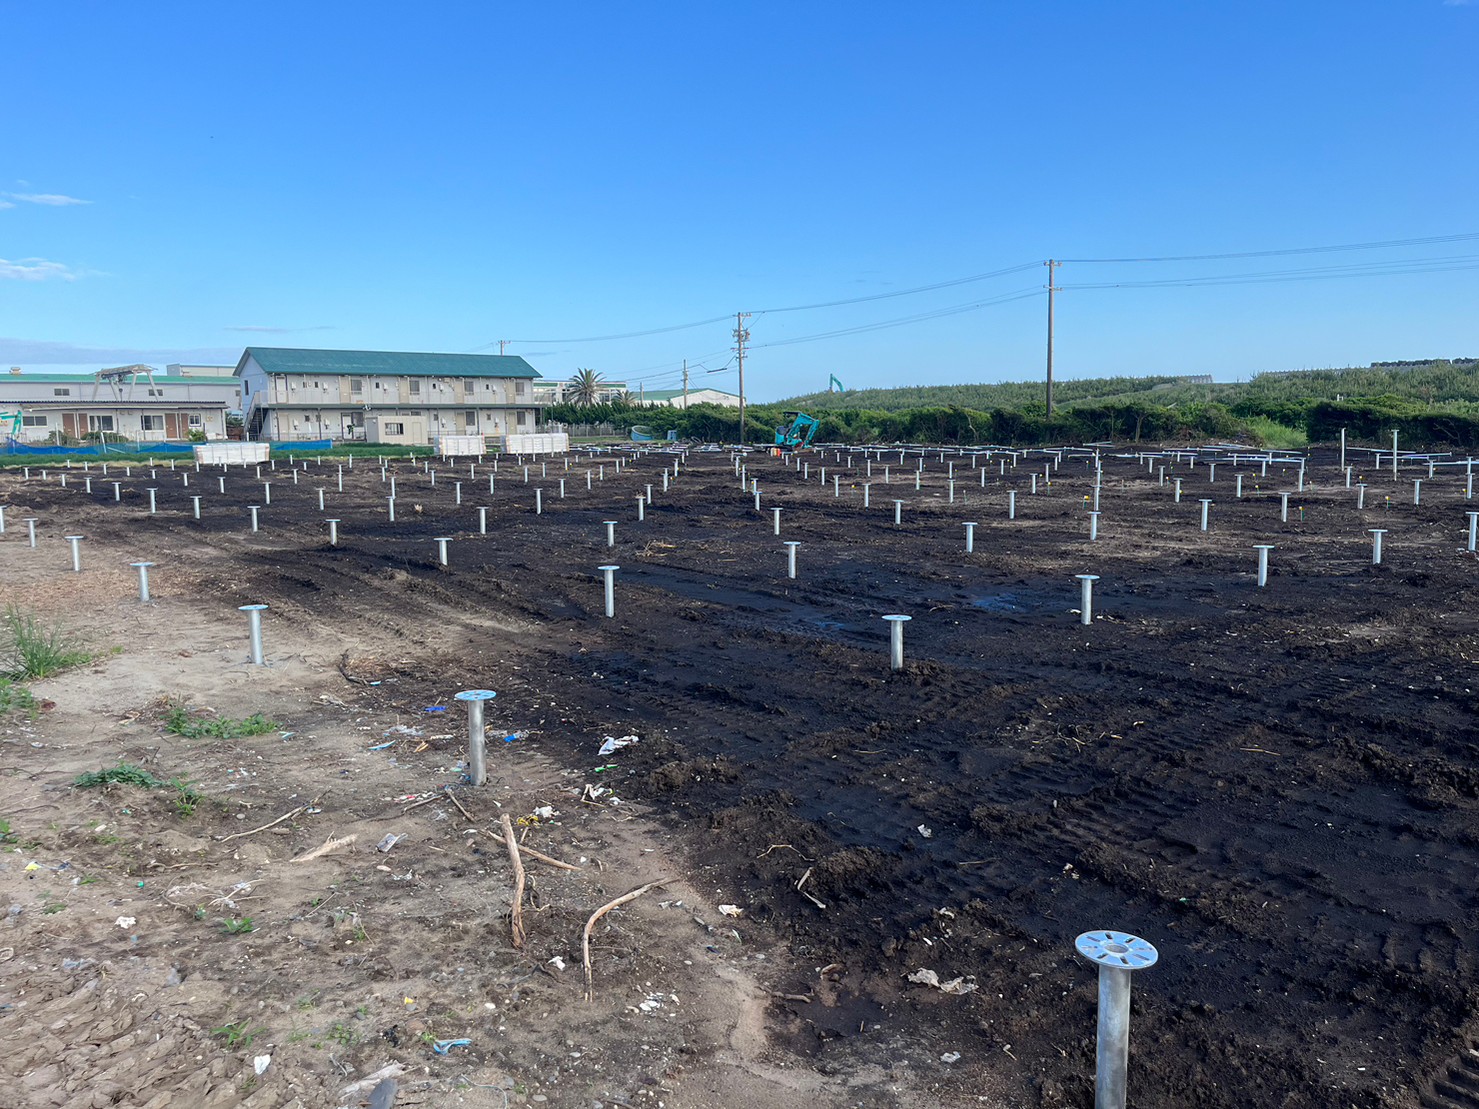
{"x": 289, "y": 394}
{"x": 133, "y": 403}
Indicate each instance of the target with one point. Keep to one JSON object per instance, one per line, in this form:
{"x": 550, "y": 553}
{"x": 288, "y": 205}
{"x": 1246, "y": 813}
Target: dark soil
{"x": 1277, "y": 787}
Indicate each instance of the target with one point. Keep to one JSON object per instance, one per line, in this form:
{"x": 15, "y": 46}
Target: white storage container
{"x": 555, "y": 442}
{"x": 461, "y": 446}
{"x": 232, "y": 453}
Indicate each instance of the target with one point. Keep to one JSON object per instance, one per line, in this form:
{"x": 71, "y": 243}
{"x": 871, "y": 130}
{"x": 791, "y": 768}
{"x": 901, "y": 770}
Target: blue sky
{"x": 178, "y": 181}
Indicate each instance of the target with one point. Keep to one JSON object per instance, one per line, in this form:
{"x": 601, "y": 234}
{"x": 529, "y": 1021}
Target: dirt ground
{"x": 1277, "y": 787}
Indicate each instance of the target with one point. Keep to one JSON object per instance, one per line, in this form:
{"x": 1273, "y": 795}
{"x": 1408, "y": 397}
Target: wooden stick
{"x": 517, "y": 918}
{"x": 264, "y": 827}
{"x": 453, "y": 798}
{"x": 330, "y": 844}
{"x": 585, "y": 936}
{"x": 546, "y": 859}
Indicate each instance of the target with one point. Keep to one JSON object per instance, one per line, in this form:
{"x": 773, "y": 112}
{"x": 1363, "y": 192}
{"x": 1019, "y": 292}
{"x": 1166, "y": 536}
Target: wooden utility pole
{"x": 741, "y": 337}
{"x": 1052, "y": 265}
{"x": 685, "y": 385}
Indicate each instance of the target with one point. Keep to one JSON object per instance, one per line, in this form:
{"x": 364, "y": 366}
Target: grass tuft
{"x": 180, "y": 721}
{"x": 16, "y": 697}
{"x": 121, "y": 775}
{"x": 36, "y": 650}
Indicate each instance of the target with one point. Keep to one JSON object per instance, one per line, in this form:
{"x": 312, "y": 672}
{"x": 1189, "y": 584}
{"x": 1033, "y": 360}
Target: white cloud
{"x": 50, "y": 200}
{"x": 34, "y": 269}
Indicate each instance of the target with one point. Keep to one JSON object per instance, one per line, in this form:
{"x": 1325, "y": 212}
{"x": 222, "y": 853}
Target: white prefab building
{"x": 404, "y": 430}
{"x": 289, "y": 394}
{"x": 676, "y": 398}
{"x": 133, "y": 403}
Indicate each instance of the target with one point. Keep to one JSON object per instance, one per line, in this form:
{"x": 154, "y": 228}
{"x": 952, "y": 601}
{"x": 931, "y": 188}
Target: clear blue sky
{"x": 441, "y": 176}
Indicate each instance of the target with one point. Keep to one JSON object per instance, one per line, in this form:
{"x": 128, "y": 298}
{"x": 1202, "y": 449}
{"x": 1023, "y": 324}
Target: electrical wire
{"x": 1021, "y": 294}
{"x": 899, "y": 292}
{"x": 1429, "y": 241}
{"x": 1318, "y": 273}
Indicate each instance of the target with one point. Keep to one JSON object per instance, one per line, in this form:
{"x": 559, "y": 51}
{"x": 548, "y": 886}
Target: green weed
{"x": 180, "y": 721}
{"x": 52, "y": 908}
{"x": 239, "y": 926}
{"x": 1271, "y": 433}
{"x": 16, "y": 697}
{"x": 342, "y": 1034}
{"x": 6, "y": 835}
{"x": 237, "y": 1034}
{"x": 186, "y": 798}
{"x": 36, "y": 650}
{"x": 121, "y": 775}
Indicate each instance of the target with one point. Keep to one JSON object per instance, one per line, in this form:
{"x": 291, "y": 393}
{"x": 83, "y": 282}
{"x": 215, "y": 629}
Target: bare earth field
{"x": 1277, "y": 787}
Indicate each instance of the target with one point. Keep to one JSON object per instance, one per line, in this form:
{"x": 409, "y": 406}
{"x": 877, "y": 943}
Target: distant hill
{"x": 1436, "y": 383}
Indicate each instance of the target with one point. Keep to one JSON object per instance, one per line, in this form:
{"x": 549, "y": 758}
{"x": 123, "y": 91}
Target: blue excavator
{"x": 797, "y": 433}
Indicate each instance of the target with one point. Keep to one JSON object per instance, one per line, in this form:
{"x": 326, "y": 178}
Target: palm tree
{"x": 585, "y": 388}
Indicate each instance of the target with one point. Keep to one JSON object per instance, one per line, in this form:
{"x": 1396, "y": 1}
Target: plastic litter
{"x": 261, "y": 1063}
{"x": 950, "y": 1057}
{"x": 390, "y": 840}
{"x": 557, "y": 962}
{"x": 515, "y": 736}
{"x": 382, "y": 746}
{"x": 926, "y": 832}
{"x": 731, "y": 910}
{"x": 441, "y": 1047}
{"x": 436, "y": 708}
{"x": 126, "y": 921}
{"x": 613, "y": 744}
{"x": 603, "y": 769}
{"x": 956, "y": 986}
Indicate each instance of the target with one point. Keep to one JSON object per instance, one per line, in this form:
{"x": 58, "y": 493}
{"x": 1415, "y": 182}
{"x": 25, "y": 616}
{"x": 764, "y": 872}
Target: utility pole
{"x": 685, "y": 385}
{"x": 741, "y": 337}
{"x": 1052, "y": 265}
{"x": 503, "y": 343}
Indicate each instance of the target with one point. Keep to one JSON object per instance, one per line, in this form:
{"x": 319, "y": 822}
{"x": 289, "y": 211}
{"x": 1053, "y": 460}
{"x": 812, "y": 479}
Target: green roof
{"x": 88, "y": 379}
{"x": 371, "y": 363}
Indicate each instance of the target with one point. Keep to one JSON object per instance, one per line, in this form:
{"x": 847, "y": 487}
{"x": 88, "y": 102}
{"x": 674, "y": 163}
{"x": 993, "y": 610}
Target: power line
{"x": 623, "y": 335}
{"x": 900, "y": 292}
{"x": 1429, "y": 241}
{"x": 1318, "y": 273}
{"x": 882, "y": 325}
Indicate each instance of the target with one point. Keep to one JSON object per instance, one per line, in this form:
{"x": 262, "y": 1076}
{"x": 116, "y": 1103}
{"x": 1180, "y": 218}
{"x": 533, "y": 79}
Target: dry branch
{"x": 547, "y": 859}
{"x": 330, "y": 844}
{"x": 453, "y": 798}
{"x": 264, "y": 827}
{"x": 517, "y": 918}
{"x": 585, "y": 936}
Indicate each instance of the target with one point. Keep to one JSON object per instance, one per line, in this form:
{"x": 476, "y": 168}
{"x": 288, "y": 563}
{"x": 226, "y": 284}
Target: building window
{"x": 356, "y": 385}
{"x": 523, "y": 419}
{"x": 519, "y": 388}
{"x": 33, "y": 421}
{"x": 415, "y": 387}
{"x": 100, "y": 423}
{"x": 152, "y": 423}
{"x": 196, "y": 420}
{"x": 395, "y": 429}
{"x": 61, "y": 392}
{"x": 471, "y": 418}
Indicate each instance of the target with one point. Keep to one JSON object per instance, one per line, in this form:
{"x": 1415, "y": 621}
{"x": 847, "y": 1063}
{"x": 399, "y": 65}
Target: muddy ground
{"x": 1277, "y": 787}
